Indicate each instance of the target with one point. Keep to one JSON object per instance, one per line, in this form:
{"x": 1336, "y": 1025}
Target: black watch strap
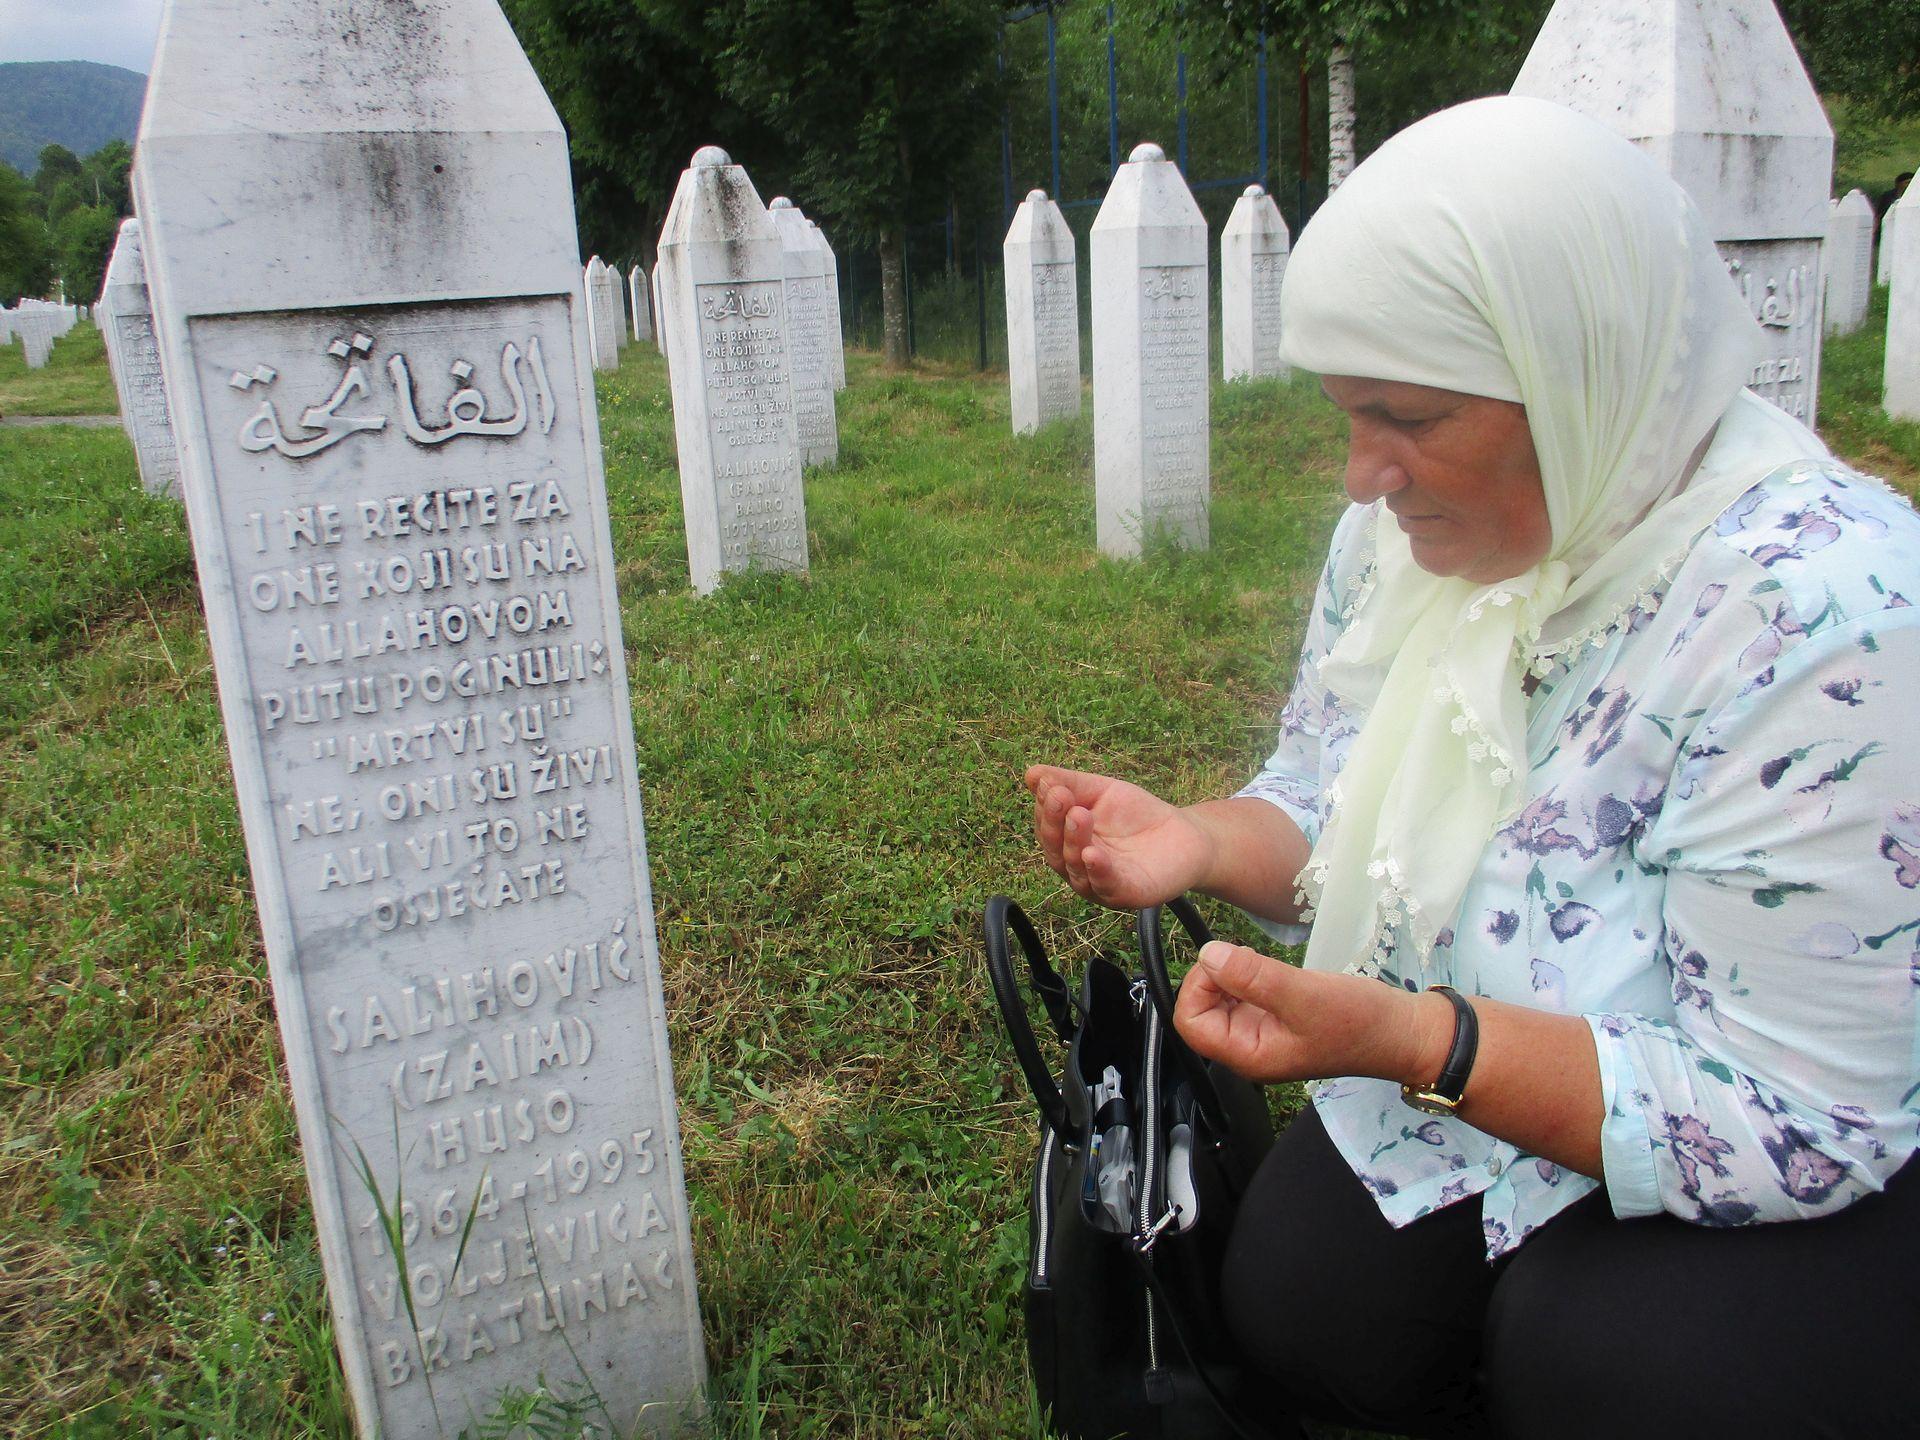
{"x": 1444, "y": 1094}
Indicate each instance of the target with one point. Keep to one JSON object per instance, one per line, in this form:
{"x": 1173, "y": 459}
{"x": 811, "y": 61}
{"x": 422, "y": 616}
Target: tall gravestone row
{"x": 36, "y": 327}
{"x": 1713, "y": 90}
{"x": 125, "y": 316}
{"x": 1150, "y": 362}
{"x": 1043, "y": 315}
{"x": 1903, "y": 308}
{"x": 1253, "y": 263}
{"x": 1847, "y": 263}
{"x": 809, "y": 345}
{"x": 365, "y": 287}
{"x": 723, "y": 313}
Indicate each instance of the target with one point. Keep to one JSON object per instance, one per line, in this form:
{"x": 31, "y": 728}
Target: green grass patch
{"x": 74, "y": 381}
{"x": 831, "y": 767}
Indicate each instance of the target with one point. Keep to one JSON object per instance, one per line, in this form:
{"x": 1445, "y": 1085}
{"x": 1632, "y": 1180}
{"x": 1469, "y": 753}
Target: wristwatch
{"x": 1443, "y": 1096}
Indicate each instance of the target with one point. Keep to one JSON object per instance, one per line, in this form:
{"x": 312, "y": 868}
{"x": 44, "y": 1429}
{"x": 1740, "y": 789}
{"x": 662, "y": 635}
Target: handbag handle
{"x": 1003, "y": 913}
{"x": 1153, "y": 957}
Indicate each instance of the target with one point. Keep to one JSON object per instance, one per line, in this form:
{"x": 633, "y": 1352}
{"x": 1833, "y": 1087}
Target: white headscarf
{"x": 1513, "y": 249}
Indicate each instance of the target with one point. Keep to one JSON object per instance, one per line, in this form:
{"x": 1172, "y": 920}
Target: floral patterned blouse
{"x": 1718, "y": 869}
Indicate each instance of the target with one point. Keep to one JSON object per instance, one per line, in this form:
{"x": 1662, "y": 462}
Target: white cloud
{"x": 113, "y": 32}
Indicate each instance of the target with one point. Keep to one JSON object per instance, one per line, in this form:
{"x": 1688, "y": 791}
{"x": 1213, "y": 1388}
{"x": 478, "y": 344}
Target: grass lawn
{"x": 831, "y": 768}
{"x": 74, "y": 381}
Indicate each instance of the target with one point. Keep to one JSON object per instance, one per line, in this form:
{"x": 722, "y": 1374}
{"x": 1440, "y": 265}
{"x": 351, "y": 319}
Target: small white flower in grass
{"x": 266, "y": 1317}
{"x": 220, "y": 1251}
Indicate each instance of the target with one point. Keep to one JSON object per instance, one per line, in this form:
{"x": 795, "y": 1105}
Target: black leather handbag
{"x": 1124, "y": 1325}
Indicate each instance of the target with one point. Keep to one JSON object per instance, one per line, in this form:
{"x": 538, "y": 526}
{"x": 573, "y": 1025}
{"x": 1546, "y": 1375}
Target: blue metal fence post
{"x": 1053, "y": 100}
{"x": 1006, "y": 136}
{"x": 1180, "y": 90}
{"x": 1260, "y": 91}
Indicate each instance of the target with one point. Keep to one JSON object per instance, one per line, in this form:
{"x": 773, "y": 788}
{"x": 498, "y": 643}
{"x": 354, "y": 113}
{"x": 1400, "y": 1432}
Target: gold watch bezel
{"x": 1429, "y": 1102}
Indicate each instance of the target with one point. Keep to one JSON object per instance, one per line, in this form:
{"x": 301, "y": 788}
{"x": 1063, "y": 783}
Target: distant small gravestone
{"x": 364, "y": 273}
{"x": 6, "y": 326}
{"x": 603, "y": 314}
{"x": 836, "y": 330}
{"x": 1150, "y": 362}
{"x": 809, "y": 343}
{"x": 1253, "y": 263}
{"x": 1847, "y": 263}
{"x": 1903, "y": 310}
{"x": 125, "y": 318}
{"x": 1714, "y": 91}
{"x": 37, "y": 329}
{"x": 1043, "y": 315}
{"x": 639, "y": 304}
{"x": 723, "y": 312}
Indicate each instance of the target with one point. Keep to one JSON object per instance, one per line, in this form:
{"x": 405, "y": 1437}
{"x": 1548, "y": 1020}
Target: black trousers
{"x": 1594, "y": 1327}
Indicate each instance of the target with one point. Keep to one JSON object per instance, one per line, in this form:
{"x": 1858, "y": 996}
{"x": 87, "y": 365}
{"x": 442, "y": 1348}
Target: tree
{"x": 83, "y": 243}
{"x": 637, "y": 84}
{"x": 885, "y": 102}
{"x": 25, "y": 265}
{"x": 1861, "y": 50}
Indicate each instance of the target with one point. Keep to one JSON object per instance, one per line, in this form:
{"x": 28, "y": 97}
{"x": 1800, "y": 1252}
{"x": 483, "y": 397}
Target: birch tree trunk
{"x": 1340, "y": 116}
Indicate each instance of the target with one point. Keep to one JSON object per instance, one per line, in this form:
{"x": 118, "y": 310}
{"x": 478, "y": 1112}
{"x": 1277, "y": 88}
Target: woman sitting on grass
{"x": 1606, "y": 717}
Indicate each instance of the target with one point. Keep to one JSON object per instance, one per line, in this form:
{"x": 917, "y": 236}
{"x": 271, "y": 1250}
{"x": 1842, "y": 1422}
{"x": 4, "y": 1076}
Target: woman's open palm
{"x": 1113, "y": 842}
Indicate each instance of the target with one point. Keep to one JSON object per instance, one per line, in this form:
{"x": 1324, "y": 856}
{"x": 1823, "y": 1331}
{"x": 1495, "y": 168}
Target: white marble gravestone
{"x": 1043, "y": 315}
{"x": 1714, "y": 91}
{"x": 1883, "y": 267}
{"x": 1150, "y": 362}
{"x": 36, "y": 329}
{"x": 1253, "y": 262}
{"x": 659, "y": 312}
{"x": 723, "y": 312}
{"x": 639, "y": 303}
{"x": 125, "y": 317}
{"x": 366, "y": 290}
{"x": 1847, "y": 263}
{"x": 809, "y": 343}
{"x": 836, "y": 331}
{"x": 1903, "y": 310}
{"x": 603, "y": 314}
{"x": 6, "y": 326}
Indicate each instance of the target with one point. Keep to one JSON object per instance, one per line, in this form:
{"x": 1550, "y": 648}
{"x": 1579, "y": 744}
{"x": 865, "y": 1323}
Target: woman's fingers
{"x": 1243, "y": 973}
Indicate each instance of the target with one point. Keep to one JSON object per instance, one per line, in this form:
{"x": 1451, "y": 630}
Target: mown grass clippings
{"x": 831, "y": 766}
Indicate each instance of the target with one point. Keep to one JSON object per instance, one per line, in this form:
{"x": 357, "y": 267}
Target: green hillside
{"x": 74, "y": 103}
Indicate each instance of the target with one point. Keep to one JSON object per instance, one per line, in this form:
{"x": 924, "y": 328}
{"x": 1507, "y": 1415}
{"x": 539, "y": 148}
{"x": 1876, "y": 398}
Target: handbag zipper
{"x": 1043, "y": 1209}
{"x": 1149, "y": 1132}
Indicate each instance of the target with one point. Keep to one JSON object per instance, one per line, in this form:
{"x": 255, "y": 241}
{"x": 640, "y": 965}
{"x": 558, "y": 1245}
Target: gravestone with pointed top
{"x": 125, "y": 318}
{"x": 809, "y": 340}
{"x": 366, "y": 291}
{"x": 1903, "y": 311}
{"x": 836, "y": 331}
{"x": 1847, "y": 263}
{"x": 723, "y": 312}
{"x": 1253, "y": 262}
{"x": 639, "y": 303}
{"x": 1043, "y": 315}
{"x": 603, "y": 313}
{"x": 1714, "y": 91}
{"x": 1150, "y": 362}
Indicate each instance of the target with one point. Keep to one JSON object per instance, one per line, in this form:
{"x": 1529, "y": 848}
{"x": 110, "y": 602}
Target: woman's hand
{"x": 1268, "y": 1021}
{"x": 1115, "y": 843}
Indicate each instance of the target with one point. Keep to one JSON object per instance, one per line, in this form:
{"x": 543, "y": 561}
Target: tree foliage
{"x": 83, "y": 243}
{"x": 25, "y": 258}
{"x": 1867, "y": 52}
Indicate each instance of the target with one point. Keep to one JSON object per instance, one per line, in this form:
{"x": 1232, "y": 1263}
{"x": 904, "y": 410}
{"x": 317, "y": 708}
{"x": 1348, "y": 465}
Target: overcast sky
{"x": 114, "y": 32}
